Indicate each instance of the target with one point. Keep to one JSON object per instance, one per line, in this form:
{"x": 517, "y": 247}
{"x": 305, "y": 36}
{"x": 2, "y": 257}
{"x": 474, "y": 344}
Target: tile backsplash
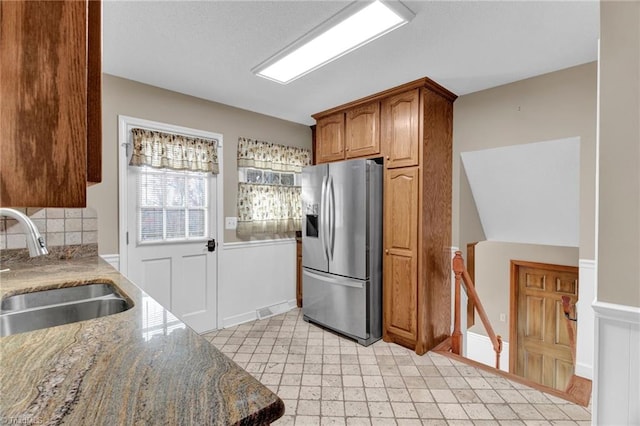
{"x": 58, "y": 226}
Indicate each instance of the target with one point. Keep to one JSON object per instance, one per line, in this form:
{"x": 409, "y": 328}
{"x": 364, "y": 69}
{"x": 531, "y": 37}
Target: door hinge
{"x": 127, "y": 233}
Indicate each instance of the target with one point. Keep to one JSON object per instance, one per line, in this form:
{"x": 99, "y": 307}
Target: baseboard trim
{"x": 584, "y": 370}
{"x": 257, "y": 243}
{"x": 250, "y": 316}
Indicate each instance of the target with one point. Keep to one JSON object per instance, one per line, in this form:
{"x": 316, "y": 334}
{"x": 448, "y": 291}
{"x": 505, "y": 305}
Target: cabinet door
{"x": 330, "y": 138}
{"x": 401, "y": 254}
{"x": 43, "y": 137}
{"x": 400, "y": 129}
{"x": 363, "y": 131}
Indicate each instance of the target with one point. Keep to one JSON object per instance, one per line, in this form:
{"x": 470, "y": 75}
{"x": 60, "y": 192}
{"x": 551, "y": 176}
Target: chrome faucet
{"x": 35, "y": 242}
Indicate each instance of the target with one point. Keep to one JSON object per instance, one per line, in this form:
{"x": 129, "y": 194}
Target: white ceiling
{"x": 528, "y": 193}
{"x": 207, "y": 49}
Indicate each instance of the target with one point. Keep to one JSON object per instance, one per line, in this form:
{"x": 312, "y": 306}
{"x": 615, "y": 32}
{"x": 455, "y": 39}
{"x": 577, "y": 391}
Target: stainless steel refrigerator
{"x": 342, "y": 248}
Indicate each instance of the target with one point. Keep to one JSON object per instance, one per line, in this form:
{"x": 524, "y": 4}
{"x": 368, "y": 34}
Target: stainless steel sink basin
{"x": 48, "y": 308}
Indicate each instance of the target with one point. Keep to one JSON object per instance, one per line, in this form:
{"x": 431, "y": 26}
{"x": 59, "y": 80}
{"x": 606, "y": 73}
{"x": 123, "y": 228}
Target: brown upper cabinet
{"x": 330, "y": 138}
{"x": 350, "y": 133}
{"x": 51, "y": 136}
{"x": 400, "y": 128}
{"x": 363, "y": 130}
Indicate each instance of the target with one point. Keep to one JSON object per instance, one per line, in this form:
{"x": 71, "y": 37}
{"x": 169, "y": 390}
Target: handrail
{"x": 461, "y": 275}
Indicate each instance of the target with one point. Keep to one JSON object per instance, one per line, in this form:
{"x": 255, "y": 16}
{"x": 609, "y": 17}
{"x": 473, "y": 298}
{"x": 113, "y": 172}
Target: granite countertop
{"x": 129, "y": 368}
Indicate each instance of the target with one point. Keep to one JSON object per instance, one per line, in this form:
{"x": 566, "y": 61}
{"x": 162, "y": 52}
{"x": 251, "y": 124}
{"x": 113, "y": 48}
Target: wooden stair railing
{"x": 461, "y": 275}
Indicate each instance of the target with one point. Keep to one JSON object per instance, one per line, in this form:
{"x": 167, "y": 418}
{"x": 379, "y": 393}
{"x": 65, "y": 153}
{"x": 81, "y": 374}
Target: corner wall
{"x": 617, "y": 329}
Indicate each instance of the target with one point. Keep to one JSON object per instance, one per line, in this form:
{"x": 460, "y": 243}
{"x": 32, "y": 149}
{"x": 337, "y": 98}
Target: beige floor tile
{"x": 332, "y": 408}
{"x": 477, "y": 411}
{"x": 308, "y": 407}
{"x": 356, "y": 409}
{"x": 310, "y": 392}
{"x": 404, "y": 410}
{"x": 354, "y": 394}
{"x": 452, "y": 411}
{"x": 380, "y": 409}
{"x": 358, "y": 421}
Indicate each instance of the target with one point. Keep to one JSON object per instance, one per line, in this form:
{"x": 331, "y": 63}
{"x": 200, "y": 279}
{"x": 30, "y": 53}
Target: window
{"x": 269, "y": 194}
{"x": 172, "y": 205}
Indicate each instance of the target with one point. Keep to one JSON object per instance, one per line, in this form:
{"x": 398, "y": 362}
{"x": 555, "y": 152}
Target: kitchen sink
{"x": 48, "y": 308}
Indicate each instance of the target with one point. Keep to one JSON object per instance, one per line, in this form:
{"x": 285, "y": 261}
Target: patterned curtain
{"x": 267, "y": 210}
{"x": 265, "y": 155}
{"x": 167, "y": 151}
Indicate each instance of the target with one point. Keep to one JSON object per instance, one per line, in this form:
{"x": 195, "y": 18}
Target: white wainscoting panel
{"x": 616, "y": 389}
{"x": 255, "y": 274}
{"x": 480, "y": 349}
{"x": 112, "y": 259}
{"x": 586, "y": 320}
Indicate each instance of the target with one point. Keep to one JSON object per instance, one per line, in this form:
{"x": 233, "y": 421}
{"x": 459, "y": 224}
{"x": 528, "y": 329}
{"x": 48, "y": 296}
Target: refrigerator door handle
{"x": 332, "y": 218}
{"x": 323, "y": 217}
{"x": 333, "y": 279}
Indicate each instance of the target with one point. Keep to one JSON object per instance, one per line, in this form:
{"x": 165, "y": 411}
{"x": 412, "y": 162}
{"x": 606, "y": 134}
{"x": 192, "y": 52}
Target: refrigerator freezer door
{"x": 336, "y": 302}
{"x": 347, "y": 195}
{"x": 314, "y": 220}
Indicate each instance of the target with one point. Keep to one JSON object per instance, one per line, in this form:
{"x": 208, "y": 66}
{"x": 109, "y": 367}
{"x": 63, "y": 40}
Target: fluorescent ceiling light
{"x": 352, "y": 27}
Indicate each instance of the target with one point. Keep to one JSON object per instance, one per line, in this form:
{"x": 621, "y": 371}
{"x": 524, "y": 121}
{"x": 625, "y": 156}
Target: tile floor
{"x": 325, "y": 379}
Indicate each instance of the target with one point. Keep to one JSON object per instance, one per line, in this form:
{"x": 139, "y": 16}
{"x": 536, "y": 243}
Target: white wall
{"x": 254, "y": 275}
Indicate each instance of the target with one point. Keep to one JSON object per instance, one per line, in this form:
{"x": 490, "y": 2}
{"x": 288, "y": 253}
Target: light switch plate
{"x": 230, "y": 222}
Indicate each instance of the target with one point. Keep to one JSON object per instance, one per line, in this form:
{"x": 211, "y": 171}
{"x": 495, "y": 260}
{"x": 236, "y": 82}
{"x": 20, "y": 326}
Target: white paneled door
{"x": 170, "y": 240}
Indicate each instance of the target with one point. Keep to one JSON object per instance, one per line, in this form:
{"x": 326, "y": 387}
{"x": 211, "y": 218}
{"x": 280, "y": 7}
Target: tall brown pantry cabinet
{"x": 414, "y": 123}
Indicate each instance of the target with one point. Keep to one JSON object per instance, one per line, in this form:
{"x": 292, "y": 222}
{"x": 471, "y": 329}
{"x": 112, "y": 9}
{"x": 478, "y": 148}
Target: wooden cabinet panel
{"x": 400, "y": 129}
{"x": 363, "y": 131}
{"x": 330, "y": 135}
{"x": 94, "y": 92}
{"x": 46, "y": 112}
{"x": 401, "y": 255}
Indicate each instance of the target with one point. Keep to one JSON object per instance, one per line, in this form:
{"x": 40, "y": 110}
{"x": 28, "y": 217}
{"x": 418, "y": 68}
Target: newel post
{"x": 456, "y": 337}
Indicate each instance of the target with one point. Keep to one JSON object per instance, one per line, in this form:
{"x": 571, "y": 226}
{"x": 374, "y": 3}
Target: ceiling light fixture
{"x": 352, "y": 27}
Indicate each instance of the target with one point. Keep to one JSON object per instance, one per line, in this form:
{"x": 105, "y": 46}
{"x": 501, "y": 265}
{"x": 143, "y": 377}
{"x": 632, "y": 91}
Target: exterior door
{"x": 539, "y": 336}
{"x": 171, "y": 216}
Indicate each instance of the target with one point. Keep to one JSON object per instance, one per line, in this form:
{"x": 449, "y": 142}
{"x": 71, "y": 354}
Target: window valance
{"x": 170, "y": 151}
{"x": 265, "y": 155}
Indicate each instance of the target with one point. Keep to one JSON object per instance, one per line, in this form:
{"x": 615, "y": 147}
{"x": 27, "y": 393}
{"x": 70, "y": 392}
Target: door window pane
{"x": 173, "y": 205}
{"x": 175, "y": 194}
{"x": 150, "y": 224}
{"x": 175, "y": 224}
{"x": 197, "y": 223}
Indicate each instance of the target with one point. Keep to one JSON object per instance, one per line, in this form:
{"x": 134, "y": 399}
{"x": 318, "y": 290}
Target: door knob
{"x": 211, "y": 245}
